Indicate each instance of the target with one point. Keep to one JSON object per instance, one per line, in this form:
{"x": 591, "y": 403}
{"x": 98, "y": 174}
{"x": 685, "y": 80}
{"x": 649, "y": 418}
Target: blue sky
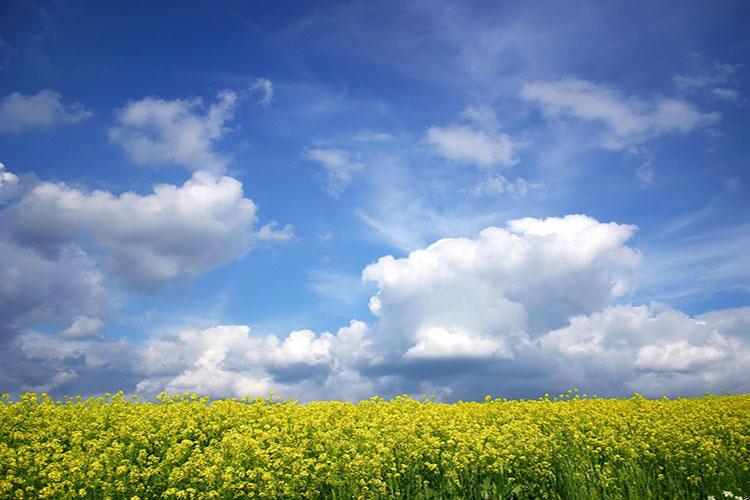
{"x": 334, "y": 200}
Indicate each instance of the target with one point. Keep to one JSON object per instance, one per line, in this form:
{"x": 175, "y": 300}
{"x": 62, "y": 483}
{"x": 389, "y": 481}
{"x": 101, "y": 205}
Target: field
{"x": 188, "y": 447}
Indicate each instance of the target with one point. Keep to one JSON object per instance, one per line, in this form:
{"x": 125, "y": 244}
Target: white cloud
{"x": 35, "y": 287}
{"x": 717, "y": 83}
{"x": 517, "y": 311}
{"x": 439, "y": 343}
{"x": 176, "y": 232}
{"x": 182, "y": 132}
{"x": 83, "y": 327}
{"x": 480, "y": 143}
{"x": 654, "y": 350}
{"x": 372, "y": 136}
{"x": 504, "y": 286}
{"x": 726, "y": 94}
{"x": 19, "y": 112}
{"x": 681, "y": 356}
{"x": 224, "y": 360}
{"x": 629, "y": 121}
{"x": 339, "y": 166}
{"x": 8, "y": 184}
{"x": 56, "y": 381}
{"x": 495, "y": 184}
{"x": 264, "y": 88}
{"x": 270, "y": 233}
{"x": 228, "y": 360}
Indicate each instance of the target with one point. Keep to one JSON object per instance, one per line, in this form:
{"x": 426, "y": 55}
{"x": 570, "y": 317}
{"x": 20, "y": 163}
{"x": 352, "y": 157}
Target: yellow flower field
{"x": 188, "y": 447}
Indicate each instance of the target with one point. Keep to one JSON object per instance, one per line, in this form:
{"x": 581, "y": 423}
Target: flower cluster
{"x": 189, "y": 447}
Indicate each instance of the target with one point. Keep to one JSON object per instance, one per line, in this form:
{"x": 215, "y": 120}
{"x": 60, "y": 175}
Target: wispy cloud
{"x": 696, "y": 264}
{"x": 628, "y": 120}
{"x": 338, "y": 286}
{"x": 719, "y": 82}
{"x": 339, "y": 166}
{"x": 263, "y": 87}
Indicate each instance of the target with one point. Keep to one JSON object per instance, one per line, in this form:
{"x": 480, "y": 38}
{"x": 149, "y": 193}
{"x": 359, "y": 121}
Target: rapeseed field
{"x": 189, "y": 447}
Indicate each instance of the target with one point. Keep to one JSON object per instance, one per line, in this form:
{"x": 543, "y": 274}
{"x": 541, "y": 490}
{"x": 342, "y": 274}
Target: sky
{"x": 335, "y": 200}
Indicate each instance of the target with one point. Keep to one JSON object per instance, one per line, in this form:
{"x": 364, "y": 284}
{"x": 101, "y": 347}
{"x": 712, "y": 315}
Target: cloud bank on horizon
{"x": 524, "y": 217}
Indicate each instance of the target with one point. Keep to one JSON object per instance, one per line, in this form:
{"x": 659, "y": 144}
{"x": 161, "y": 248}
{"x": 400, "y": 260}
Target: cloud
{"x": 38, "y": 288}
{"x": 440, "y": 343}
{"x": 147, "y": 241}
{"x": 528, "y": 309}
{"x": 653, "y": 349}
{"x": 263, "y": 87}
{"x": 182, "y": 132}
{"x": 223, "y": 361}
{"x": 726, "y": 94}
{"x": 7, "y": 52}
{"x": 67, "y": 366}
{"x": 517, "y": 311}
{"x": 270, "y": 233}
{"x": 718, "y": 82}
{"x": 57, "y": 380}
{"x": 689, "y": 264}
{"x": 629, "y": 121}
{"x": 229, "y": 360}
{"x": 502, "y": 287}
{"x": 338, "y": 287}
{"x": 409, "y": 203}
{"x": 20, "y": 112}
{"x": 83, "y": 327}
{"x": 480, "y": 143}
{"x": 338, "y": 165}
{"x": 8, "y": 184}
{"x": 495, "y": 184}
{"x": 372, "y": 136}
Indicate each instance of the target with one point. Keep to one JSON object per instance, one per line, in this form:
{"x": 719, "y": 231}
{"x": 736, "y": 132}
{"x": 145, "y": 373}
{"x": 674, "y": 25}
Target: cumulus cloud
{"x": 35, "y": 287}
{"x": 527, "y": 309}
{"x": 57, "y": 380}
{"x": 629, "y": 121}
{"x": 653, "y": 349}
{"x": 509, "y": 282}
{"x": 440, "y": 343}
{"x": 229, "y": 360}
{"x": 90, "y": 365}
{"x": 480, "y": 142}
{"x": 517, "y": 311}
{"x": 83, "y": 327}
{"x": 182, "y": 132}
{"x": 270, "y": 233}
{"x": 147, "y": 241}
{"x": 225, "y": 360}
{"x": 20, "y": 112}
{"x": 339, "y": 166}
{"x": 8, "y": 184}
